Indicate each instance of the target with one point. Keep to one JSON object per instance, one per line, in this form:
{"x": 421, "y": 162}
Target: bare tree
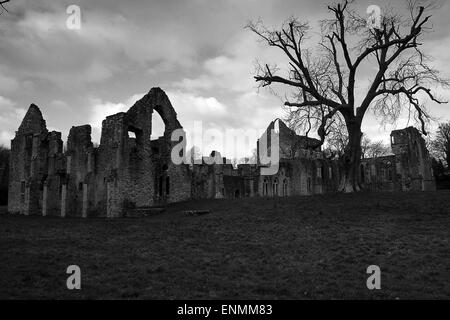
{"x": 373, "y": 149}
{"x": 2, "y": 2}
{"x": 440, "y": 145}
{"x": 337, "y": 141}
{"x": 323, "y": 81}
{"x": 337, "y": 138}
{"x": 365, "y": 145}
{"x": 289, "y": 144}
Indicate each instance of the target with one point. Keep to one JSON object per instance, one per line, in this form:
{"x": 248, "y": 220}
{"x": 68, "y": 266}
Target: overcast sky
{"x": 196, "y": 50}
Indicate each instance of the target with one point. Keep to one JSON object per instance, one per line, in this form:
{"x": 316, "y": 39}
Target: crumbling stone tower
{"x": 33, "y": 153}
{"x": 413, "y": 162}
{"x": 78, "y": 187}
{"x": 132, "y": 170}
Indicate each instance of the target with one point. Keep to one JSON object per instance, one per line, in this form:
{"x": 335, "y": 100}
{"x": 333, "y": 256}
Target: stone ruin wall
{"x": 122, "y": 173}
{"x": 28, "y": 164}
{"x": 128, "y": 171}
{"x": 408, "y": 169}
{"x": 413, "y": 161}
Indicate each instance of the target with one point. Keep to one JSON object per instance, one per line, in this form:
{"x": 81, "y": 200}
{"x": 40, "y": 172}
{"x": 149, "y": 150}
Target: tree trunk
{"x": 447, "y": 158}
{"x": 351, "y": 159}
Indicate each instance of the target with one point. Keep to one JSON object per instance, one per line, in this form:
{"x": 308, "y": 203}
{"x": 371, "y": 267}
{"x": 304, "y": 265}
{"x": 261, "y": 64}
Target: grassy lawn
{"x": 288, "y": 248}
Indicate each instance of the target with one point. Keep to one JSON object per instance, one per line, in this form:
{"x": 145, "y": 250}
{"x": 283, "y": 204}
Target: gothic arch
{"x": 140, "y": 114}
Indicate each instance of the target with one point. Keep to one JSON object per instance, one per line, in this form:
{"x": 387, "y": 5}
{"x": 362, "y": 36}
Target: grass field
{"x": 288, "y": 248}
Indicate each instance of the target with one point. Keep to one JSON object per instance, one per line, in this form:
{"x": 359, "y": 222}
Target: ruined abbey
{"x": 129, "y": 173}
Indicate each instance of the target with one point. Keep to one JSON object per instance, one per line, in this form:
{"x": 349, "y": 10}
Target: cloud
{"x": 197, "y": 51}
{"x": 61, "y": 105}
{"x": 249, "y": 112}
{"x": 233, "y": 70}
{"x": 10, "y": 115}
{"x": 42, "y": 23}
{"x": 188, "y": 106}
{"x": 8, "y": 83}
{"x": 196, "y": 107}
{"x": 37, "y": 44}
{"x": 222, "y": 72}
{"x": 97, "y": 72}
{"x": 100, "y": 110}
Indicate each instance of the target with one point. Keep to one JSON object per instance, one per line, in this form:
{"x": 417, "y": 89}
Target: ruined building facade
{"x": 408, "y": 169}
{"x": 129, "y": 172}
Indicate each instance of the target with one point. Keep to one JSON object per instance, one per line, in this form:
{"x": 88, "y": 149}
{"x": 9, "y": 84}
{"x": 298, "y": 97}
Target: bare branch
{"x": 323, "y": 80}
{"x": 2, "y": 2}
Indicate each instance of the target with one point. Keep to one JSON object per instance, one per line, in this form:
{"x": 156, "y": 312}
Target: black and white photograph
{"x": 233, "y": 153}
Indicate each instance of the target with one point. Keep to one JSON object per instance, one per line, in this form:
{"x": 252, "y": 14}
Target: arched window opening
{"x": 285, "y": 188}
{"x": 265, "y": 187}
{"x": 158, "y": 126}
{"x": 22, "y": 191}
{"x": 160, "y": 186}
{"x": 167, "y": 185}
{"x": 135, "y": 135}
{"x": 373, "y": 170}
{"x": 275, "y": 187}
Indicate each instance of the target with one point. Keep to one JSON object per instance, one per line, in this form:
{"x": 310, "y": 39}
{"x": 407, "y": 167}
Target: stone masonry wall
{"x": 129, "y": 171}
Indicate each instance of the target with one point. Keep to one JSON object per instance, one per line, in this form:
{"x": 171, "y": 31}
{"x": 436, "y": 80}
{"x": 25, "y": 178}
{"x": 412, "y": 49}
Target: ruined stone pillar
{"x": 34, "y": 156}
{"x": 35, "y": 146}
{"x": 252, "y": 189}
{"x": 69, "y": 164}
{"x": 89, "y": 162}
{"x": 109, "y": 199}
{"x": 44, "y": 200}
{"x": 63, "y": 200}
{"x": 27, "y": 201}
{"x": 33, "y": 165}
{"x": 113, "y": 201}
{"x": 118, "y": 158}
{"x": 85, "y": 201}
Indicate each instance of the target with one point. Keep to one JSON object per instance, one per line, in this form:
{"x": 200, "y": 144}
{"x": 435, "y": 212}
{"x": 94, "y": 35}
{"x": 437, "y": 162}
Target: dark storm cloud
{"x": 197, "y": 50}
